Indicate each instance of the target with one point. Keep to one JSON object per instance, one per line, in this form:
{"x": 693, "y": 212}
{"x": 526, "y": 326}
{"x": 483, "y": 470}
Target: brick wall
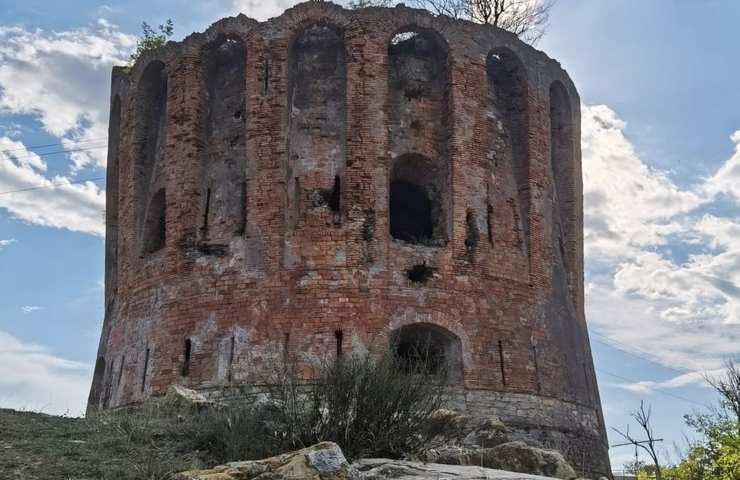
{"x": 252, "y": 204}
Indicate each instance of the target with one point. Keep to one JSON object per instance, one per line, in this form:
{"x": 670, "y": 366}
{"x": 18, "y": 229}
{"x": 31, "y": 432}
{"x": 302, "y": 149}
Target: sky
{"x": 661, "y": 160}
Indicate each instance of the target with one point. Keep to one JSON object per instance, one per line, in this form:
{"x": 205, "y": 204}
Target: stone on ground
{"x": 384, "y": 469}
{"x": 323, "y": 461}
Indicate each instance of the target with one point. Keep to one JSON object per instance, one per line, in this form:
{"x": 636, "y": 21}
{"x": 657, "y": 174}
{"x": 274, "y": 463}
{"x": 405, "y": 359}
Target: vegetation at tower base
{"x": 370, "y": 406}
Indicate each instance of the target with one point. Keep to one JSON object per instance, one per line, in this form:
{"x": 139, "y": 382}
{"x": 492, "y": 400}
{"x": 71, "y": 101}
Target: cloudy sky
{"x": 661, "y": 153}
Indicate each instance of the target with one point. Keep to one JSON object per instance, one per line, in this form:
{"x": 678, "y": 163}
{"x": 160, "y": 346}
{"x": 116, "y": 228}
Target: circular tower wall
{"x": 333, "y": 179}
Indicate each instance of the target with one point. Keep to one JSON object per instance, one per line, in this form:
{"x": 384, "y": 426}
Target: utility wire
{"x": 53, "y": 185}
{"x": 657, "y": 390}
{"x": 614, "y": 344}
{"x": 71, "y": 150}
{"x": 33, "y": 147}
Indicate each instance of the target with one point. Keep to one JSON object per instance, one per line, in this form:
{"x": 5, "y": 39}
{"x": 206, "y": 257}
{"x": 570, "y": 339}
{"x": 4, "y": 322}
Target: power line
{"x": 72, "y": 150}
{"x": 657, "y": 390}
{"x": 53, "y": 185}
{"x": 32, "y": 147}
{"x": 611, "y": 343}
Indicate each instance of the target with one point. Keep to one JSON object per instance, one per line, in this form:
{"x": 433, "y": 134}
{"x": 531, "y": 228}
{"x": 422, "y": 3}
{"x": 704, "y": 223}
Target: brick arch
{"x": 428, "y": 348}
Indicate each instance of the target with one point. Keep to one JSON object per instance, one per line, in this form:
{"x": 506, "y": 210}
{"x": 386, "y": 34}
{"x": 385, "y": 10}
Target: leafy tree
{"x": 151, "y": 40}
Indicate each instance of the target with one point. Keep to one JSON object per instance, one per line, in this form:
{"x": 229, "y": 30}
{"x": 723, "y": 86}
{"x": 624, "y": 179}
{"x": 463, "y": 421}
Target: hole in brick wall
{"x": 368, "y": 225}
{"x": 265, "y": 77}
{"x": 336, "y": 193}
{"x": 489, "y": 223}
{"x": 501, "y": 362}
{"x": 206, "y": 211}
{"x": 424, "y": 348}
{"x": 155, "y": 223}
{"x": 232, "y": 348}
{"x": 416, "y": 210}
{"x": 472, "y": 234}
{"x": 410, "y": 213}
{"x": 339, "y": 338}
{"x": 120, "y": 370}
{"x": 146, "y": 368}
{"x": 420, "y": 273}
{"x": 186, "y": 357}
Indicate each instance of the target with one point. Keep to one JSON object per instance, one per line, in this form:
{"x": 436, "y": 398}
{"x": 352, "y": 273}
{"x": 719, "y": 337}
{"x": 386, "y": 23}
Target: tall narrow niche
{"x": 111, "y": 203}
{"x": 562, "y": 151}
{"x": 224, "y": 164}
{"x": 317, "y": 78}
{"x": 151, "y": 108}
{"x": 418, "y": 107}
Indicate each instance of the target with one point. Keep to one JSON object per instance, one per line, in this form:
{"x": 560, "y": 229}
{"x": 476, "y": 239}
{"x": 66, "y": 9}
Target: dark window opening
{"x": 420, "y": 273}
{"x": 265, "y": 77}
{"x": 339, "y": 337}
{"x": 472, "y": 235}
{"x": 489, "y": 223}
{"x": 155, "y": 230}
{"x": 501, "y": 362}
{"x": 232, "y": 347}
{"x": 426, "y": 349}
{"x": 206, "y": 211}
{"x": 410, "y": 212}
{"x": 336, "y": 194}
{"x": 186, "y": 359}
{"x": 146, "y": 367}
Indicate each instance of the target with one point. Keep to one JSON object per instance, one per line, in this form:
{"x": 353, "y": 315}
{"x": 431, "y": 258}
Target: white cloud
{"x": 6, "y": 242}
{"x": 54, "y": 200}
{"x": 663, "y": 277}
{"x": 31, "y": 378}
{"x": 30, "y": 308}
{"x": 262, "y": 10}
{"x": 63, "y": 80}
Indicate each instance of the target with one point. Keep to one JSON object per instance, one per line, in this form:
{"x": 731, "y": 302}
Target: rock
{"x": 488, "y": 433}
{"x": 520, "y": 457}
{"x": 179, "y": 398}
{"x": 383, "y": 469}
{"x": 444, "y": 423}
{"x": 323, "y": 461}
{"x": 514, "y": 456}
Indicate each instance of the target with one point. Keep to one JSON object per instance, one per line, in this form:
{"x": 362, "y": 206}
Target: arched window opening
{"x": 186, "y": 357}
{"x": 416, "y": 206}
{"x": 155, "y": 230}
{"x": 418, "y": 64}
{"x": 508, "y": 96}
{"x": 225, "y": 118}
{"x": 427, "y": 349}
{"x": 562, "y": 161}
{"x": 317, "y": 74}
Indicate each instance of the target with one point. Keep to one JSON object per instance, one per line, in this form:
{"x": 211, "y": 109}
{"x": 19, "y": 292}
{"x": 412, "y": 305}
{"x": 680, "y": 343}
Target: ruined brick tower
{"x": 331, "y": 179}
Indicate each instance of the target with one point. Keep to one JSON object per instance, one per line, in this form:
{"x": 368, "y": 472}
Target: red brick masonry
{"x": 318, "y": 183}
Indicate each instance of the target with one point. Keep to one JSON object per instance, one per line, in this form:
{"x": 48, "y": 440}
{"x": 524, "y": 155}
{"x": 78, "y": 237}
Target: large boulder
{"x": 520, "y": 457}
{"x": 384, "y": 469}
{"x": 323, "y": 461}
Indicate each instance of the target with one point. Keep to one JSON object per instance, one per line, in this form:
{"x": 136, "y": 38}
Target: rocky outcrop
{"x": 323, "y": 461}
{"x": 384, "y": 469}
{"x": 514, "y": 456}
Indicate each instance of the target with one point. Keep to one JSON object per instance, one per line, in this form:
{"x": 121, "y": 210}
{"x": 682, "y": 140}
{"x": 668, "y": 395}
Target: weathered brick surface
{"x": 273, "y": 159}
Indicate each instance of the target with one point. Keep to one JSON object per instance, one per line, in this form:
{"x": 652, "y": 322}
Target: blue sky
{"x": 658, "y": 82}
